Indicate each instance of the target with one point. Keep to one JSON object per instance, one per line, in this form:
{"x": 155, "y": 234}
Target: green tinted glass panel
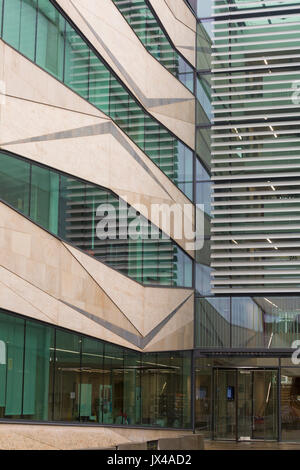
{"x": 166, "y": 390}
{"x": 11, "y": 22}
{"x": 144, "y": 23}
{"x": 11, "y": 365}
{"x": 38, "y": 30}
{"x": 132, "y": 387}
{"x": 94, "y": 220}
{"x": 99, "y": 83}
{"x": 39, "y": 343}
{"x": 14, "y": 182}
{"x": 67, "y": 376}
{"x": 44, "y": 194}
{"x": 77, "y": 62}
{"x": 112, "y": 392}
{"x": 1, "y": 11}
{"x": 92, "y": 379}
{"x": 28, "y": 28}
{"x": 50, "y": 39}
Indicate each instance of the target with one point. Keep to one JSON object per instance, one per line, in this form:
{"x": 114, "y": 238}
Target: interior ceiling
{"x": 273, "y": 305}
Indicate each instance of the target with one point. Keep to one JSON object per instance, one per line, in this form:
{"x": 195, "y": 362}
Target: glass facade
{"x": 247, "y": 398}
{"x": 203, "y": 181}
{"x": 40, "y": 32}
{"x": 73, "y": 209}
{"x": 255, "y": 149}
{"x": 247, "y": 322}
{"x": 50, "y": 374}
{"x": 241, "y": 380}
{"x": 144, "y": 22}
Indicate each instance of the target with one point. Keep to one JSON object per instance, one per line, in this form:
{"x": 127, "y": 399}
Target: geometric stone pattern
{"x": 44, "y": 278}
{"x": 65, "y": 132}
{"x": 159, "y": 91}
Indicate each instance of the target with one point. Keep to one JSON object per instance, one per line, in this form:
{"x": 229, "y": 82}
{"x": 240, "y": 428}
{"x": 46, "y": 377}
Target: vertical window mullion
{"x": 30, "y": 190}
{"x": 80, "y": 379}
{"x": 1, "y": 30}
{"x": 20, "y": 22}
{"x": 53, "y": 376}
{"x": 23, "y": 375}
{"x": 64, "y": 56}
{"x": 36, "y": 29}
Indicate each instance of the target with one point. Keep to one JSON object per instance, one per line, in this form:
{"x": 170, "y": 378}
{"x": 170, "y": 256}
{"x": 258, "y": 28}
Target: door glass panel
{"x": 245, "y": 408}
{"x": 290, "y": 403}
{"x": 265, "y": 404}
{"x": 225, "y": 404}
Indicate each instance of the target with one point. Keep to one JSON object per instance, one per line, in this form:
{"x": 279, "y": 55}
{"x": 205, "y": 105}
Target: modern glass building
{"x": 247, "y": 326}
{"x": 107, "y": 316}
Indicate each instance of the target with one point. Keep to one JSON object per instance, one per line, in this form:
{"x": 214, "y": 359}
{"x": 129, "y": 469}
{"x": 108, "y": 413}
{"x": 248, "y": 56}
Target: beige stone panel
{"x": 120, "y": 172}
{"x": 64, "y": 279}
{"x": 178, "y": 332}
{"x": 11, "y": 301}
{"x": 87, "y": 157}
{"x": 176, "y": 123}
{"x": 146, "y": 307}
{"x": 159, "y": 303}
{"x": 2, "y": 83}
{"x": 40, "y": 263}
{"x": 142, "y": 73}
{"x": 182, "y": 12}
{"x": 73, "y": 320}
{"x": 29, "y": 82}
{"x": 19, "y": 296}
{"x": 179, "y": 340}
{"x": 67, "y": 437}
{"x": 78, "y": 288}
{"x": 180, "y": 24}
{"x": 125, "y": 292}
{"x": 12, "y": 220}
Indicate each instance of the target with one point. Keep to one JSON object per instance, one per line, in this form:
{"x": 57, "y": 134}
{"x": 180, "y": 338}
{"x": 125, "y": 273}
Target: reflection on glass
{"x": 38, "y": 372}
{"x": 204, "y": 8}
{"x": 39, "y": 31}
{"x": 203, "y": 396}
{"x": 290, "y": 404}
{"x": 68, "y": 207}
{"x": 11, "y": 366}
{"x": 245, "y": 404}
{"x": 265, "y": 404}
{"x": 213, "y": 322}
{"x": 67, "y": 377}
{"x": 225, "y": 404}
{"x": 57, "y": 375}
{"x": 247, "y": 323}
{"x": 165, "y": 392}
{"x": 259, "y": 322}
{"x": 145, "y": 25}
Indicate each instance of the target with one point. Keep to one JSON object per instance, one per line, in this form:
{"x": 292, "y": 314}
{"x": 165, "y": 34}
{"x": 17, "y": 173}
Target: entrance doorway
{"x": 245, "y": 404}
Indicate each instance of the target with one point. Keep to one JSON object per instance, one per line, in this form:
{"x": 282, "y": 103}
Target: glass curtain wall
{"x": 247, "y": 322}
{"x": 290, "y": 401}
{"x": 69, "y": 208}
{"x": 255, "y": 147}
{"x": 40, "y": 32}
{"x": 49, "y": 374}
{"x": 143, "y": 21}
{"x": 203, "y": 184}
{"x": 245, "y": 392}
